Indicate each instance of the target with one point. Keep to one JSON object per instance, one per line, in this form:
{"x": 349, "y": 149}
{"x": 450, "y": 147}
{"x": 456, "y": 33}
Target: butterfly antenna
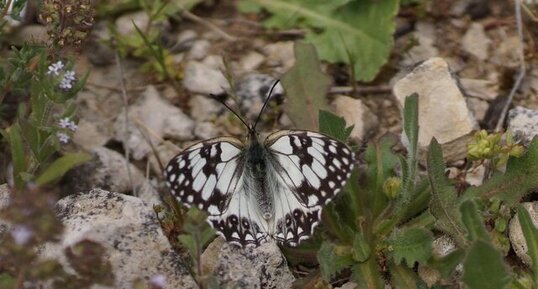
{"x": 265, "y": 103}
{"x": 230, "y": 109}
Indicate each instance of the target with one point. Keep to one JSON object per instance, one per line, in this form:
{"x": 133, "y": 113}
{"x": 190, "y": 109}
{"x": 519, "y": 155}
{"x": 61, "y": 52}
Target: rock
{"x": 185, "y": 40}
{"x": 206, "y": 130}
{"x": 476, "y": 42}
{"x": 199, "y": 49}
{"x": 506, "y": 53}
{"x": 151, "y": 113}
{"x": 130, "y": 233}
{"x": 279, "y": 55}
{"x": 523, "y": 123}
{"x": 165, "y": 151}
{"x": 480, "y": 88}
{"x": 252, "y": 91}
{"x": 425, "y": 49}
{"x": 107, "y": 170}
{"x": 478, "y": 107}
{"x": 214, "y": 62}
{"x": 235, "y": 267}
{"x": 356, "y": 113}
{"x": 147, "y": 193}
{"x": 4, "y": 202}
{"x": 348, "y": 285}
{"x": 443, "y": 112}
{"x": 32, "y": 33}
{"x": 88, "y": 135}
{"x": 517, "y": 239}
{"x": 99, "y": 40}
{"x": 125, "y": 26}
{"x": 204, "y": 108}
{"x": 200, "y": 78}
{"x": 251, "y": 61}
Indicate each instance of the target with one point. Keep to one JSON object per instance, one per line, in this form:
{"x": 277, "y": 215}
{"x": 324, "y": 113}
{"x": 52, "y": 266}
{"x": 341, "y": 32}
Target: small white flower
{"x": 21, "y": 234}
{"x": 64, "y": 122}
{"x": 158, "y": 281}
{"x": 62, "y": 137}
{"x": 67, "y": 123}
{"x": 67, "y": 80}
{"x": 55, "y": 68}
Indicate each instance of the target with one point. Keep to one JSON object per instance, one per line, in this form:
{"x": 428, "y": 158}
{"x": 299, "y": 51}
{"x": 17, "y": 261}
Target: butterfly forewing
{"x": 312, "y": 169}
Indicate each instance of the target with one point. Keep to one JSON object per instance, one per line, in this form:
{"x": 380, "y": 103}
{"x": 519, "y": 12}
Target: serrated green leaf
{"x": 443, "y": 203}
{"x": 340, "y": 30}
{"x": 412, "y": 245}
{"x": 60, "y": 166}
{"x": 405, "y": 278}
{"x": 306, "y": 87}
{"x": 473, "y": 222}
{"x": 447, "y": 264}
{"x": 361, "y": 249}
{"x": 331, "y": 261}
{"x": 484, "y": 268}
{"x": 531, "y": 238}
{"x": 521, "y": 177}
{"x": 367, "y": 275}
{"x": 333, "y": 125}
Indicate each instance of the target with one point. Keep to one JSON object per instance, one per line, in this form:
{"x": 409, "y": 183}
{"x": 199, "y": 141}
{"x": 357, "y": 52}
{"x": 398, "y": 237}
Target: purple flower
{"x": 62, "y": 137}
{"x": 158, "y": 281}
{"x": 21, "y": 234}
{"x": 55, "y": 68}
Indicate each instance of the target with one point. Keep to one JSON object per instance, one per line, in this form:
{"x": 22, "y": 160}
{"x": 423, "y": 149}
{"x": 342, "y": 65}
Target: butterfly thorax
{"x": 258, "y": 179}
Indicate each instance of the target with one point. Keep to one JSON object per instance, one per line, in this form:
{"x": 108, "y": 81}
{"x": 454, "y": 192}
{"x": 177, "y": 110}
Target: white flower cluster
{"x": 68, "y": 77}
{"x": 68, "y": 124}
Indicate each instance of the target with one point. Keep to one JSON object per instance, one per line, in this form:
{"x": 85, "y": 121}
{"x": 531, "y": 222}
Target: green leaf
{"x": 342, "y": 29}
{"x": 521, "y": 178}
{"x": 17, "y": 154}
{"x": 60, "y": 166}
{"x": 410, "y": 116}
{"x": 381, "y": 163}
{"x": 484, "y": 267}
{"x": 474, "y": 223}
{"x": 306, "y": 87}
{"x": 405, "y": 278}
{"x": 361, "y": 249}
{"x": 531, "y": 238}
{"x": 367, "y": 275}
{"x": 412, "y": 245}
{"x": 448, "y": 263}
{"x": 333, "y": 259}
{"x": 443, "y": 203}
{"x": 333, "y": 126}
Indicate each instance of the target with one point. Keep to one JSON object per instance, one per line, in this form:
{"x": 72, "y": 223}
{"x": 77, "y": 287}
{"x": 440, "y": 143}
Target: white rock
{"x": 523, "y": 123}
{"x": 157, "y": 118}
{"x": 214, "y": 61}
{"x": 199, "y": 49}
{"x": 425, "y": 38}
{"x": 356, "y": 113}
{"x": 480, "y": 88}
{"x": 261, "y": 267}
{"x": 443, "y": 112}
{"x": 107, "y": 170}
{"x": 251, "y": 92}
{"x": 280, "y": 55}
{"x": 251, "y": 61}
{"x": 185, "y": 40}
{"x": 32, "y": 33}
{"x": 127, "y": 228}
{"x": 200, "y": 78}
{"x": 476, "y": 42}
{"x": 89, "y": 136}
{"x": 478, "y": 107}
{"x": 204, "y": 108}
{"x": 206, "y": 130}
{"x": 125, "y": 26}
{"x": 517, "y": 239}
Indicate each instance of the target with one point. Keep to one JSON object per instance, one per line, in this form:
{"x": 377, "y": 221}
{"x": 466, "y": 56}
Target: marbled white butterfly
{"x": 254, "y": 191}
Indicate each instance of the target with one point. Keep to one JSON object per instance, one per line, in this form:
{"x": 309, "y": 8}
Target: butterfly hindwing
{"x": 312, "y": 169}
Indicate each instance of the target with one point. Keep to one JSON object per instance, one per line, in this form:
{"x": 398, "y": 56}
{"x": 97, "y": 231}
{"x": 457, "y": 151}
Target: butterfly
{"x": 254, "y": 191}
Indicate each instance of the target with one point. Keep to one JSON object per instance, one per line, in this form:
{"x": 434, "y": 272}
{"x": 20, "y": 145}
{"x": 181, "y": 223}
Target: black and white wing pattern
{"x": 312, "y": 168}
{"x": 209, "y": 175}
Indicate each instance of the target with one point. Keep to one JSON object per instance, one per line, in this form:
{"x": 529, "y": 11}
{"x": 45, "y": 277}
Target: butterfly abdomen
{"x": 257, "y": 183}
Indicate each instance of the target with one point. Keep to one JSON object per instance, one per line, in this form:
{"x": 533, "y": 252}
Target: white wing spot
{"x": 181, "y": 178}
{"x": 319, "y": 169}
{"x": 169, "y": 168}
{"x": 331, "y": 184}
{"x": 283, "y": 145}
{"x": 181, "y": 164}
{"x": 199, "y": 182}
{"x": 312, "y": 200}
{"x": 346, "y": 161}
{"x": 297, "y": 142}
{"x": 311, "y": 177}
{"x": 332, "y": 148}
{"x": 213, "y": 151}
{"x": 315, "y": 153}
{"x": 172, "y": 177}
{"x": 209, "y": 187}
{"x": 228, "y": 151}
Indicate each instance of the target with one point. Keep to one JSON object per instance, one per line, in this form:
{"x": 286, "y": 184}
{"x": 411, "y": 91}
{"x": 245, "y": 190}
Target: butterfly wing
{"x": 312, "y": 168}
{"x": 209, "y": 175}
